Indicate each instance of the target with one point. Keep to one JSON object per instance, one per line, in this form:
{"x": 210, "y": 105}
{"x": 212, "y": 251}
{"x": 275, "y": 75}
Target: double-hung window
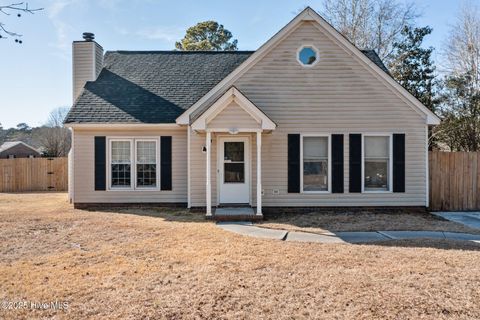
{"x": 315, "y": 163}
{"x": 146, "y": 151}
{"x": 121, "y": 163}
{"x": 377, "y": 163}
{"x": 133, "y": 164}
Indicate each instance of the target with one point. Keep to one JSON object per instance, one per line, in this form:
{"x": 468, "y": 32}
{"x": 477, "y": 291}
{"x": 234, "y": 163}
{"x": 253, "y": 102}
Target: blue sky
{"x": 35, "y": 77}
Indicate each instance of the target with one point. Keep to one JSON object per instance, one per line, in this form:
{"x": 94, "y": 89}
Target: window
{"x": 377, "y": 163}
{"x": 307, "y": 56}
{"x": 121, "y": 164}
{"x": 315, "y": 163}
{"x": 146, "y": 163}
{"x": 133, "y": 164}
{"x": 234, "y": 162}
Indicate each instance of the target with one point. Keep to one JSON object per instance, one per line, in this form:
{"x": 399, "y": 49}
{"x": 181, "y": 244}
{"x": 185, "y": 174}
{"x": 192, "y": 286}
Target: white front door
{"x": 234, "y": 169}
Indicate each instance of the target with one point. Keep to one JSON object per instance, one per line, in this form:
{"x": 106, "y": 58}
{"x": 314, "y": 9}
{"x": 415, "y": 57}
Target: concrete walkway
{"x": 248, "y": 229}
{"x": 470, "y": 219}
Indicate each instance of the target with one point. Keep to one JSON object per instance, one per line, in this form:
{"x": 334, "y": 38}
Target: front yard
{"x": 173, "y": 264}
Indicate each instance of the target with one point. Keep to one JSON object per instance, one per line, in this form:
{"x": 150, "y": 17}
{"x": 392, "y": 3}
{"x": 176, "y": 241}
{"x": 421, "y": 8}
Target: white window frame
{"x": 157, "y": 163}
{"x": 314, "y": 49}
{"x": 390, "y": 162}
{"x": 319, "y": 135}
{"x": 133, "y": 163}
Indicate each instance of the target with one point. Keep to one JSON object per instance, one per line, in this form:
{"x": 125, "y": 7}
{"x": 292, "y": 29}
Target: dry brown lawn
{"x": 327, "y": 222}
{"x": 167, "y": 264}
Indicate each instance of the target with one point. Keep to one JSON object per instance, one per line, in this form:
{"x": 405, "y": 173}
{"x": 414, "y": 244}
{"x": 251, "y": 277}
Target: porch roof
{"x": 232, "y": 95}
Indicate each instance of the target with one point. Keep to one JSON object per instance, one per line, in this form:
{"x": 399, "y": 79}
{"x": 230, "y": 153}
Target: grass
{"x": 328, "y": 222}
{"x": 171, "y": 264}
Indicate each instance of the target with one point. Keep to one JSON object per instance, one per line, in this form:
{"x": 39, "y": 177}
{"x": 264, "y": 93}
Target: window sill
{"x": 376, "y": 191}
{"x": 316, "y": 192}
{"x": 135, "y": 190}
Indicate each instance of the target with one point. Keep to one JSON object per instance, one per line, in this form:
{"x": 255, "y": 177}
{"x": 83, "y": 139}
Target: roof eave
{"x": 119, "y": 125}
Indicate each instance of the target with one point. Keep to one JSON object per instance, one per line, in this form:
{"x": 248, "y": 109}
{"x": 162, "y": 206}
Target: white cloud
{"x": 57, "y": 6}
{"x": 62, "y": 28}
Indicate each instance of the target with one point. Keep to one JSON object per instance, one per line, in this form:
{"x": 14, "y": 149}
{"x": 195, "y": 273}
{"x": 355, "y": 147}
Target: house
{"x": 18, "y": 149}
{"x": 307, "y": 120}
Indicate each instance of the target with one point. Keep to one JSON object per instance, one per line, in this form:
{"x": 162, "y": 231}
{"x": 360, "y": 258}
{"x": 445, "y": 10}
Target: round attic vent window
{"x": 307, "y": 56}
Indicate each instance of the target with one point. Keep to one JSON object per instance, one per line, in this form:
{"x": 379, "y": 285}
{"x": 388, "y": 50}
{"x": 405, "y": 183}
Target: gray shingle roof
{"x": 10, "y": 144}
{"x": 156, "y": 86}
{"x": 373, "y": 56}
{"x": 151, "y": 86}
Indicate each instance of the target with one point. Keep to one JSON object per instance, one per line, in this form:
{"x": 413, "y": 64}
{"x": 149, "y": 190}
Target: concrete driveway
{"x": 470, "y": 219}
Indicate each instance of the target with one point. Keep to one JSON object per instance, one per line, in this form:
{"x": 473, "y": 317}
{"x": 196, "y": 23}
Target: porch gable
{"x": 232, "y": 110}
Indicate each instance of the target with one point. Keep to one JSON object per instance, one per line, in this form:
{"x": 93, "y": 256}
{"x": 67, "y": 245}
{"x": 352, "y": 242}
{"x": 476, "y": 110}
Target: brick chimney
{"x": 87, "y": 62}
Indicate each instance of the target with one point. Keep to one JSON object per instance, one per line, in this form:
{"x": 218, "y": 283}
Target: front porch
{"x": 233, "y": 128}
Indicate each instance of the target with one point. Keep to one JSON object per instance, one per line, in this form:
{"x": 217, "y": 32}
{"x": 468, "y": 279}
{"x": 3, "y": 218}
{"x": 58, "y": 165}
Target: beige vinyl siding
{"x": 98, "y": 59}
{"x": 338, "y": 95}
{"x": 84, "y": 168}
{"x": 233, "y": 116}
{"x": 198, "y": 164}
{"x": 87, "y": 64}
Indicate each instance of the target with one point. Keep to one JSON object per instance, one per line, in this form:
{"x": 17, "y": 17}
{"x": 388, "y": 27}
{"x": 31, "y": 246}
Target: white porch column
{"x": 259, "y": 172}
{"x": 208, "y": 144}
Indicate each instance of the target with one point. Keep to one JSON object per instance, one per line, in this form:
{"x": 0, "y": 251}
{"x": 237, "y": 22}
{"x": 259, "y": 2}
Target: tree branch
{"x": 18, "y": 7}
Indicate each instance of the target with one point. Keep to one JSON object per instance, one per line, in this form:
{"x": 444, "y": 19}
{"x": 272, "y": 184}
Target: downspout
{"x": 427, "y": 169}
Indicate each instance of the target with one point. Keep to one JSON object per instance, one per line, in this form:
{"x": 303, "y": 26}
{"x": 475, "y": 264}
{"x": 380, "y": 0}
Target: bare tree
{"x": 462, "y": 49}
{"x": 371, "y": 24}
{"x": 57, "y": 116}
{"x": 54, "y": 138}
{"x": 461, "y": 95}
{"x": 17, "y": 9}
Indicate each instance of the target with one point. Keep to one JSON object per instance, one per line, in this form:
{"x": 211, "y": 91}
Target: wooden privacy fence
{"x": 454, "y": 178}
{"x": 454, "y": 181}
{"x": 33, "y": 174}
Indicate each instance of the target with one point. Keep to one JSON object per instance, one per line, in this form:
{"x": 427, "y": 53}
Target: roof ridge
{"x": 179, "y": 52}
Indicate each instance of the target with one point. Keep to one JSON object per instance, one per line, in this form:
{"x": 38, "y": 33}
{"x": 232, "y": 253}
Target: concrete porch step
{"x": 235, "y": 214}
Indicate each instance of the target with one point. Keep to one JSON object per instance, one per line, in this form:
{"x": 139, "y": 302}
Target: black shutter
{"x": 337, "y": 163}
{"x": 399, "y": 162}
{"x": 166, "y": 163}
{"x": 100, "y": 163}
{"x": 294, "y": 163}
{"x": 355, "y": 167}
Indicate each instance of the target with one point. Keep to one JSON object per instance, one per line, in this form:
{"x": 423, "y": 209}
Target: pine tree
{"x": 413, "y": 67}
{"x": 208, "y": 36}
